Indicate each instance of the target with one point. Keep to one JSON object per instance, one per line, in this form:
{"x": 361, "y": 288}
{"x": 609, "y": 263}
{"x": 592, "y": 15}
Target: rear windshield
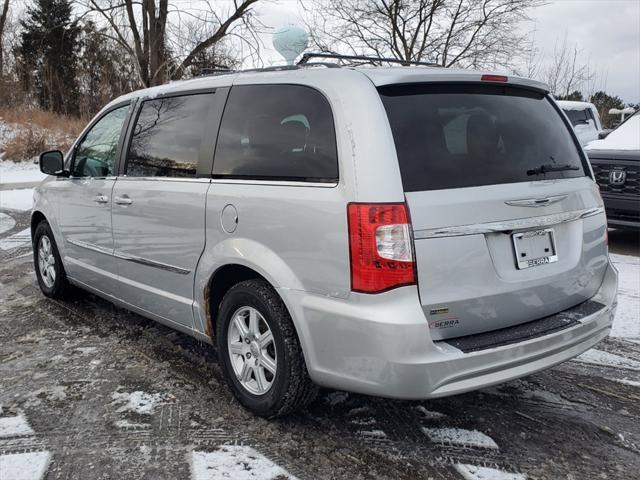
{"x": 579, "y": 117}
{"x": 453, "y": 136}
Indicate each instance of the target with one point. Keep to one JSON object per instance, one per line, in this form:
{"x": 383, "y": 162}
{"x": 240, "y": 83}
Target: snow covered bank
{"x": 17, "y": 199}
{"x": 19, "y": 172}
{"x": 627, "y": 321}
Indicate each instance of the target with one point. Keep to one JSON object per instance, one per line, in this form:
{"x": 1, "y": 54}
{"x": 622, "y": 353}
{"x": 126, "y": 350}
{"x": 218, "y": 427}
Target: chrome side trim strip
{"x": 125, "y": 178}
{"x": 130, "y": 258}
{"x": 536, "y": 202}
{"x": 90, "y": 246}
{"x": 153, "y": 263}
{"x": 507, "y": 225}
{"x": 277, "y": 183}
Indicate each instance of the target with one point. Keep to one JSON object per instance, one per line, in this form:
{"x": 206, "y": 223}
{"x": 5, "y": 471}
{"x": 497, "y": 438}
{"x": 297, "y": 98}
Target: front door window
{"x": 96, "y": 153}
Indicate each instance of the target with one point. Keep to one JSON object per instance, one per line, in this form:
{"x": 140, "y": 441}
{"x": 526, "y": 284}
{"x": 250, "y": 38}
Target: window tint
{"x": 167, "y": 136}
{"x": 452, "y": 136}
{"x": 96, "y": 153}
{"x": 282, "y": 132}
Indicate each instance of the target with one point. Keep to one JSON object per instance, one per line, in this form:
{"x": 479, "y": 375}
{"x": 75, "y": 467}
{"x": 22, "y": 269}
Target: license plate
{"x": 534, "y": 248}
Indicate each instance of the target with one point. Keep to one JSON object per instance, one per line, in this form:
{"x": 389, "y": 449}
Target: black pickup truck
{"x": 616, "y": 167}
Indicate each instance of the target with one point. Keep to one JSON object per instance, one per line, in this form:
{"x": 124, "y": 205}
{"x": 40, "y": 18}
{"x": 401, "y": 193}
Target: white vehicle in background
{"x": 585, "y": 119}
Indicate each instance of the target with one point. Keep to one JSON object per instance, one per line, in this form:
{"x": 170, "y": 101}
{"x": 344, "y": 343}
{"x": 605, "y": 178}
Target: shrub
{"x": 36, "y": 131}
{"x": 25, "y": 145}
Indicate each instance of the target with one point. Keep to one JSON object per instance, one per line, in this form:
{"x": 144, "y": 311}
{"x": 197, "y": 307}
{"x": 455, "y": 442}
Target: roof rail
{"x": 274, "y": 68}
{"x": 307, "y": 56}
{"x": 214, "y": 71}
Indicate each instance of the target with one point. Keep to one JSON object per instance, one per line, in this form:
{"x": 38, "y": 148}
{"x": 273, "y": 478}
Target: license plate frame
{"x": 534, "y": 248}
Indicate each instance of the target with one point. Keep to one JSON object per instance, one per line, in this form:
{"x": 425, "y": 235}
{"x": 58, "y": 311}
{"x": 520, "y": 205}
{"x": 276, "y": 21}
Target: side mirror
{"x": 52, "y": 163}
{"x": 603, "y": 134}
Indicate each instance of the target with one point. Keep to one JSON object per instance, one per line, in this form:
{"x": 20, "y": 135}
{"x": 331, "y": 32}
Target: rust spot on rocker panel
{"x": 208, "y": 327}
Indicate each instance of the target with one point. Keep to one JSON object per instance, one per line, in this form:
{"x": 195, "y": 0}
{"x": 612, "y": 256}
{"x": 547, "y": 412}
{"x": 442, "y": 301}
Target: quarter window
{"x": 167, "y": 136}
{"x": 96, "y": 153}
{"x": 277, "y": 132}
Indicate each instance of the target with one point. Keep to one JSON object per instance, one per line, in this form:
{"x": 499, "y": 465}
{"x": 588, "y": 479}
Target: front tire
{"x": 260, "y": 353}
{"x": 48, "y": 264}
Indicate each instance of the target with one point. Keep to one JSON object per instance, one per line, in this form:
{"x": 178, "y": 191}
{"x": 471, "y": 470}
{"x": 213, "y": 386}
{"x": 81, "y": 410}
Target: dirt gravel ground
{"x": 101, "y": 393}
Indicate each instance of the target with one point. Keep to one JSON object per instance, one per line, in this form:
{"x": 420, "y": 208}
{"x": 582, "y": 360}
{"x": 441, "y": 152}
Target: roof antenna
{"x": 290, "y": 41}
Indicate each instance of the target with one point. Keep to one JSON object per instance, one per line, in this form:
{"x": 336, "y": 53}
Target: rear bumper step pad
{"x": 526, "y": 331}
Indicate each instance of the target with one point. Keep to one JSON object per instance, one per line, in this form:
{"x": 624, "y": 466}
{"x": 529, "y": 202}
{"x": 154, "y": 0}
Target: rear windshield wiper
{"x": 542, "y": 169}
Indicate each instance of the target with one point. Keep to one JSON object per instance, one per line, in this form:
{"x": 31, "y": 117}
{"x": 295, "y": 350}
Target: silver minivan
{"x": 406, "y": 232}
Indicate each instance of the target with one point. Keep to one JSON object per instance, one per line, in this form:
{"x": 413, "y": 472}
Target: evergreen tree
{"x": 48, "y": 55}
{"x": 576, "y": 95}
{"x": 604, "y": 102}
{"x": 104, "y": 69}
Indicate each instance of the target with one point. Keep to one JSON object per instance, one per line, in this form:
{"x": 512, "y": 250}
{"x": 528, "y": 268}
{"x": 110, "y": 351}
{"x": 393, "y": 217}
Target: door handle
{"x": 123, "y": 200}
{"x": 101, "y": 198}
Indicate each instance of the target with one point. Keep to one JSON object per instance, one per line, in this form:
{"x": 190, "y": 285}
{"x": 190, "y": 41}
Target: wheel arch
{"x": 36, "y": 217}
{"x": 219, "y": 283}
{"x": 230, "y": 274}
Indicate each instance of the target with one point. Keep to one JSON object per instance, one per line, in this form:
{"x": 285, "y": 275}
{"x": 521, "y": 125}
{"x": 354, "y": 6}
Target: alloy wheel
{"x": 252, "y": 350}
{"x": 46, "y": 261}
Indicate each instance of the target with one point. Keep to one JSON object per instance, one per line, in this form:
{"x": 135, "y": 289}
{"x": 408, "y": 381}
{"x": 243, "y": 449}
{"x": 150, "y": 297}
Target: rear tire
{"x": 52, "y": 278}
{"x": 271, "y": 381}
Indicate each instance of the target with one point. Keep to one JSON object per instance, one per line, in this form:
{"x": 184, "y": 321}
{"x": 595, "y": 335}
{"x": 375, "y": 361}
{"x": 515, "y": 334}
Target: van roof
{"x": 574, "y": 105}
{"x": 394, "y": 75}
{"x": 379, "y": 76}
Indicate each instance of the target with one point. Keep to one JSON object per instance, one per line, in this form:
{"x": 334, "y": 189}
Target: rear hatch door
{"x": 508, "y": 226}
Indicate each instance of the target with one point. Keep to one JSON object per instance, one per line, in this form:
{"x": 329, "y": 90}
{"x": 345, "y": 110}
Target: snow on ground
{"x": 19, "y": 172}
{"x": 16, "y": 240}
{"x": 6, "y": 222}
{"x": 127, "y": 424}
{"x": 430, "y": 414}
{"x": 598, "y": 357}
{"x": 627, "y": 321}
{"x": 460, "y": 436}
{"x": 373, "y": 433}
{"x": 237, "y": 463}
{"x": 138, "y": 402}
{"x": 472, "y": 472}
{"x": 14, "y": 427}
{"x": 17, "y": 199}
{"x": 626, "y": 381}
{"x": 24, "y": 466}
{"x": 539, "y": 395}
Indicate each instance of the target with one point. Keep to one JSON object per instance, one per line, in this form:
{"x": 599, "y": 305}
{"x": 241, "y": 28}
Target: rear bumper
{"x": 380, "y": 345}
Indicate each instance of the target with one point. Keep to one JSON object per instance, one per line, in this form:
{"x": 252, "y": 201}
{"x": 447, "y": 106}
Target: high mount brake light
{"x": 380, "y": 247}
{"x": 494, "y": 78}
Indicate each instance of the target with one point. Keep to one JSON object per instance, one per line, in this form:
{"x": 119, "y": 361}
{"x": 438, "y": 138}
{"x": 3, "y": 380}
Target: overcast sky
{"x": 606, "y": 31}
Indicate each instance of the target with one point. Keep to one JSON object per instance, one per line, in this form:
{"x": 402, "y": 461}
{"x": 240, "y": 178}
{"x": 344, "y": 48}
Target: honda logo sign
{"x": 617, "y": 177}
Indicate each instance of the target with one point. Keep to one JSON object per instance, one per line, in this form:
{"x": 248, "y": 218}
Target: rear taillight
{"x": 380, "y": 247}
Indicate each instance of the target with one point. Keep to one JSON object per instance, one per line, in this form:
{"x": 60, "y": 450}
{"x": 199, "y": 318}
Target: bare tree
{"x": 531, "y": 60}
{"x": 141, "y": 27}
{"x": 3, "y": 21}
{"x": 477, "y": 33}
{"x": 565, "y": 73}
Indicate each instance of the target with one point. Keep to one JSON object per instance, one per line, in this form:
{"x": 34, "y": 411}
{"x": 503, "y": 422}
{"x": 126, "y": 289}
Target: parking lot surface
{"x": 91, "y": 391}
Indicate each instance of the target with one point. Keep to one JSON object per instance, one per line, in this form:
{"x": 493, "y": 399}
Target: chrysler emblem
{"x": 617, "y": 177}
